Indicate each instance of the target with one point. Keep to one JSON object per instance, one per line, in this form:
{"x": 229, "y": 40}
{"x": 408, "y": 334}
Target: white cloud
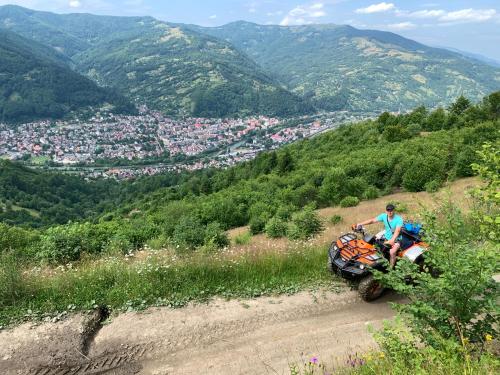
{"x": 458, "y": 16}
{"x": 75, "y": 4}
{"x": 426, "y": 13}
{"x": 469, "y": 15}
{"x": 213, "y": 16}
{"x": 303, "y": 14}
{"x": 376, "y": 8}
{"x": 402, "y": 26}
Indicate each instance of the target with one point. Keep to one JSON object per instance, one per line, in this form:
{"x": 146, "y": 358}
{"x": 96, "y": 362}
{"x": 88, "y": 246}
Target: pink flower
{"x": 314, "y": 360}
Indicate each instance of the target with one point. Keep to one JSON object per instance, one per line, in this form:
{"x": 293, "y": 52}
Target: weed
{"x": 243, "y": 238}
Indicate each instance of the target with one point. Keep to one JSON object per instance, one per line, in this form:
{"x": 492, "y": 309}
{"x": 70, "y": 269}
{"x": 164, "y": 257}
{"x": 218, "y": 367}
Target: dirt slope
{"x": 261, "y": 336}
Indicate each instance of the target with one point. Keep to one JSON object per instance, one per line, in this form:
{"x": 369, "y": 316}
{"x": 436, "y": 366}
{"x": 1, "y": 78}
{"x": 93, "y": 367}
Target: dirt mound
{"x": 258, "y": 336}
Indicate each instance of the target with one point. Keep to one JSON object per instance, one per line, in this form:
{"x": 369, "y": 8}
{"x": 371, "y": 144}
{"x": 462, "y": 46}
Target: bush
{"x": 258, "y": 223}
{"x": 189, "y": 233}
{"x": 16, "y": 239}
{"x": 215, "y": 237}
{"x": 459, "y": 303}
{"x": 421, "y": 170}
{"x": 371, "y": 192}
{"x": 285, "y": 212}
{"x": 276, "y": 228}
{"x": 66, "y": 243}
{"x": 305, "y": 224}
{"x": 118, "y": 244}
{"x": 432, "y": 186}
{"x": 336, "y": 219}
{"x": 349, "y": 202}
{"x": 402, "y": 353}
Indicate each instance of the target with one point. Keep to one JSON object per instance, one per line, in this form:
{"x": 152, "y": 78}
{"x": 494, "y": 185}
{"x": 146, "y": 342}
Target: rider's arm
{"x": 395, "y": 235}
{"x": 367, "y": 222}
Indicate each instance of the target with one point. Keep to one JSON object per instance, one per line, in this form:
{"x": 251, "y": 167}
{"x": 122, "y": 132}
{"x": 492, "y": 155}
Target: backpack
{"x": 412, "y": 228}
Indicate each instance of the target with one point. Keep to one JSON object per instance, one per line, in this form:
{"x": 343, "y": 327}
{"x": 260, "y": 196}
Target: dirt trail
{"x": 260, "y": 336}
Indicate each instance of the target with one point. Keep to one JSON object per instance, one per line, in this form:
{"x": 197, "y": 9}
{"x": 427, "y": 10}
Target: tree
{"x": 436, "y": 120}
{"x": 460, "y": 105}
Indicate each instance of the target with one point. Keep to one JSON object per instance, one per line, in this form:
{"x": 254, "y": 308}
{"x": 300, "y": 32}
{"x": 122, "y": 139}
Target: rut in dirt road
{"x": 221, "y": 337}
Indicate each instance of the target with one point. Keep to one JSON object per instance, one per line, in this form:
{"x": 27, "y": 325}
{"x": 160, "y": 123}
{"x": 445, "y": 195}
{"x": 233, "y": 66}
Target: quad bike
{"x": 353, "y": 256}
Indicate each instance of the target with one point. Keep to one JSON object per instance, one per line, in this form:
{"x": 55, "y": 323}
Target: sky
{"x": 472, "y": 26}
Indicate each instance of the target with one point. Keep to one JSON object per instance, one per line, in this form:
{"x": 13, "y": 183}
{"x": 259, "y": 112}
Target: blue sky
{"x": 472, "y": 26}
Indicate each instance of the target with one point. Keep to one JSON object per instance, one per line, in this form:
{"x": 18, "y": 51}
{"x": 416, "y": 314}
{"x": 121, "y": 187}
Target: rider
{"x": 393, "y": 224}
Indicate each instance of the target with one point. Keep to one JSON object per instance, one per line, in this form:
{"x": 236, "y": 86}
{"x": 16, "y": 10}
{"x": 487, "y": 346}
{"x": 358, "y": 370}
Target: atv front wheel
{"x": 329, "y": 264}
{"x": 370, "y": 289}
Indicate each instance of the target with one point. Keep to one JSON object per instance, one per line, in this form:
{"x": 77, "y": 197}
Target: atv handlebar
{"x": 357, "y": 228}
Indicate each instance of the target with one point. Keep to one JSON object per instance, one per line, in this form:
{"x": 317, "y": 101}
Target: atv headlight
{"x": 362, "y": 267}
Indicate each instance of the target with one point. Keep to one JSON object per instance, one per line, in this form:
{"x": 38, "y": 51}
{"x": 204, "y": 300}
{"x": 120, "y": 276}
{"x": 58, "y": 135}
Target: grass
{"x": 243, "y": 238}
{"x": 424, "y": 362}
{"x": 158, "y": 280}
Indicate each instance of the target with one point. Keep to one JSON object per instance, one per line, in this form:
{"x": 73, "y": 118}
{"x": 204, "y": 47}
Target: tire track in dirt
{"x": 257, "y": 336}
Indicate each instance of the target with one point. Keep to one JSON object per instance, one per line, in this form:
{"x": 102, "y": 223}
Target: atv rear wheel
{"x": 369, "y": 288}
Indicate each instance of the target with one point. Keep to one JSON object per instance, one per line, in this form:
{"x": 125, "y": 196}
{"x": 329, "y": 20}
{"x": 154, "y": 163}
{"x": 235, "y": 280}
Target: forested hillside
{"x": 341, "y": 67}
{"x": 415, "y": 151}
{"x": 35, "y": 82}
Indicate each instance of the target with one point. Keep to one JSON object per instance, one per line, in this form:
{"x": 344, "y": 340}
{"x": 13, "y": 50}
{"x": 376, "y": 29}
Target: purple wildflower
{"x": 314, "y": 360}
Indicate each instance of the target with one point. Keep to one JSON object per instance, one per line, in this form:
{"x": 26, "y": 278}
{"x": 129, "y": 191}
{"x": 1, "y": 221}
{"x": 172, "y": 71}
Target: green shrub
{"x": 349, "y": 202}
{"x": 138, "y": 231}
{"x": 258, "y": 223}
{"x": 189, "y": 233}
{"x": 432, "y": 186}
{"x": 16, "y": 239}
{"x": 402, "y": 353}
{"x": 421, "y": 170}
{"x": 336, "y": 219}
{"x": 459, "y": 302}
{"x": 67, "y": 242}
{"x": 284, "y": 212}
{"x": 371, "y": 192}
{"x": 276, "y": 228}
{"x": 243, "y": 238}
{"x": 305, "y": 224}
{"x": 118, "y": 244}
{"x": 215, "y": 236}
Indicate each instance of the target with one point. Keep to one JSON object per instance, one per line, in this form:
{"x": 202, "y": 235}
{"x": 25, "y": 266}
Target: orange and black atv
{"x": 353, "y": 256}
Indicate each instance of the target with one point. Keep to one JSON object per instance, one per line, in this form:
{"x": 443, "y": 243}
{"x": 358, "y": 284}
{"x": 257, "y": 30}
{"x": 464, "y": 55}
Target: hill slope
{"x": 343, "y": 67}
{"x": 36, "y": 83}
{"x": 165, "y": 66}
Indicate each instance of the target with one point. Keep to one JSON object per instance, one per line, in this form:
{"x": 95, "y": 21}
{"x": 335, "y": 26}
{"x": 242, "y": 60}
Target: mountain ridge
{"x": 36, "y": 83}
{"x": 245, "y": 68}
{"x": 318, "y": 60}
{"x": 166, "y": 66}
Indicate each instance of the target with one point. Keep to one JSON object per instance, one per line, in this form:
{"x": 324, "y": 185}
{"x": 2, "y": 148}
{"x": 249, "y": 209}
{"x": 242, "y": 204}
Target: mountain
{"x": 35, "y": 83}
{"x": 183, "y": 72}
{"x": 341, "y": 67}
{"x": 476, "y": 56}
{"x": 166, "y": 66}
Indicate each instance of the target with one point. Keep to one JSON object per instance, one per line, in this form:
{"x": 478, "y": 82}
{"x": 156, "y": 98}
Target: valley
{"x": 120, "y": 146}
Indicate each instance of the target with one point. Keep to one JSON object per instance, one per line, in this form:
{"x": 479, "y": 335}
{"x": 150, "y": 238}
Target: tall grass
{"x": 163, "y": 281}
